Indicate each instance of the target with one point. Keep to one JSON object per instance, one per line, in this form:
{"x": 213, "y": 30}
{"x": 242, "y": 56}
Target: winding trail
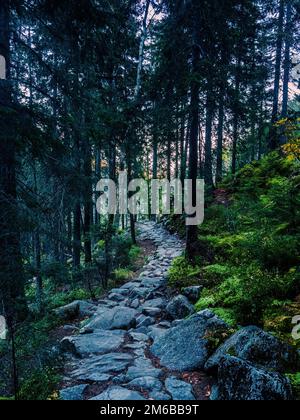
{"x": 110, "y": 359}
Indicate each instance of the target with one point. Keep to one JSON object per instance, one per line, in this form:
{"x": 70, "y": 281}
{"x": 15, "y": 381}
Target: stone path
{"x": 110, "y": 358}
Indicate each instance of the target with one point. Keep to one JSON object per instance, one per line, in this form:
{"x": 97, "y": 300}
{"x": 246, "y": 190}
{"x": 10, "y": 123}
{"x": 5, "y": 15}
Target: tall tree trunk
{"x": 88, "y": 205}
{"x": 111, "y": 217}
{"x": 169, "y": 157}
{"x": 77, "y": 235}
{"x": 37, "y": 255}
{"x": 236, "y": 117}
{"x": 208, "y": 175}
{"x": 12, "y": 296}
{"x": 287, "y": 59}
{"x": 182, "y": 150}
{"x": 279, "y": 45}
{"x": 219, "y": 171}
{"x": 192, "y": 231}
{"x": 273, "y": 137}
{"x": 141, "y": 51}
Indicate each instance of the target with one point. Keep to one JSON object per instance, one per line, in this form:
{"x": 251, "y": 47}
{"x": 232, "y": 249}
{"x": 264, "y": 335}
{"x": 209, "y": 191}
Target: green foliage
{"x": 40, "y": 385}
{"x": 227, "y": 315}
{"x": 295, "y": 382}
{"x": 122, "y": 275}
{"x": 134, "y": 253}
{"x": 64, "y": 298}
{"x": 182, "y": 273}
{"x": 254, "y": 242}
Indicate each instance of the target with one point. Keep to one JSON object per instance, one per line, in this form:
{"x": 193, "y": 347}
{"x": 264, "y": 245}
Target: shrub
{"x": 40, "y": 385}
{"x": 182, "y": 273}
{"x": 122, "y": 274}
{"x": 295, "y": 382}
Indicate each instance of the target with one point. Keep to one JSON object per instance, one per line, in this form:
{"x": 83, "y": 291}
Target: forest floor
{"x": 107, "y": 359}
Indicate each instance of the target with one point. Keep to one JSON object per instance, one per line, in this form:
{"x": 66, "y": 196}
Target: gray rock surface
{"x": 193, "y": 293}
{"x": 74, "y": 393}
{"x": 100, "y": 368}
{"x": 118, "y": 318}
{"x": 98, "y": 343}
{"x": 146, "y": 383}
{"x": 78, "y": 308}
{"x": 258, "y": 347}
{"x": 180, "y": 308}
{"x": 118, "y": 393}
{"x": 180, "y": 390}
{"x": 160, "y": 396}
{"x": 135, "y": 372}
{"x": 185, "y": 348}
{"x": 239, "y": 380}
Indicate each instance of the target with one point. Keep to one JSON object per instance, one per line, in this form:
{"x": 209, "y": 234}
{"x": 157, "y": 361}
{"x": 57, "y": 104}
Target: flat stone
{"x": 139, "y": 337}
{"x": 74, "y": 393}
{"x": 78, "y": 308}
{"x": 118, "y": 318}
{"x": 185, "y": 348}
{"x": 154, "y": 303}
{"x": 98, "y": 343}
{"x": 180, "y": 390}
{"x": 140, "y": 372}
{"x": 135, "y": 304}
{"x": 144, "y": 321}
{"x": 146, "y": 383}
{"x": 122, "y": 292}
{"x": 141, "y": 292}
{"x": 130, "y": 285}
{"x": 118, "y": 393}
{"x": 159, "y": 396}
{"x": 153, "y": 312}
{"x": 116, "y": 297}
{"x": 100, "y": 368}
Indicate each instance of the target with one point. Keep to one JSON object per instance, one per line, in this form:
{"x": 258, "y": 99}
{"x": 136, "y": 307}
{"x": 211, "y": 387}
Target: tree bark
{"x": 287, "y": 59}
{"x": 192, "y": 231}
{"x": 219, "y": 170}
{"x": 208, "y": 175}
{"x": 279, "y": 45}
{"x": 12, "y": 296}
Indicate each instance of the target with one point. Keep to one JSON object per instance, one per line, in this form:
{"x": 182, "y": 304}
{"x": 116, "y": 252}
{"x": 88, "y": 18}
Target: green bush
{"x": 295, "y": 382}
{"x": 122, "y": 274}
{"x": 41, "y": 385}
{"x": 182, "y": 273}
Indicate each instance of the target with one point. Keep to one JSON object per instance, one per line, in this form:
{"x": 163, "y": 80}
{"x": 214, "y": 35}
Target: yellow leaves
{"x": 292, "y": 150}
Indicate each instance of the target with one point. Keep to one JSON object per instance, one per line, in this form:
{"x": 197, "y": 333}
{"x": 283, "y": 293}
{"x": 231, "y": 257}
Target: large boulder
{"x": 193, "y": 293}
{"x": 256, "y": 346}
{"x": 180, "y": 308}
{"x": 185, "y": 347}
{"x": 100, "y": 343}
{"x": 118, "y": 318}
{"x": 238, "y": 380}
{"x": 118, "y": 393}
{"x": 76, "y": 309}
